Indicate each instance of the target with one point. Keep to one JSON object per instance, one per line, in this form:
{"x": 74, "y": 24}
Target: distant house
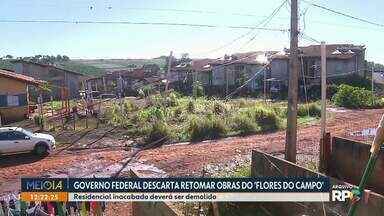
{"x": 342, "y": 60}
{"x": 58, "y": 77}
{"x": 202, "y": 71}
{"x": 129, "y": 80}
{"x": 183, "y": 75}
{"x": 222, "y": 75}
{"x": 14, "y": 95}
{"x": 240, "y": 68}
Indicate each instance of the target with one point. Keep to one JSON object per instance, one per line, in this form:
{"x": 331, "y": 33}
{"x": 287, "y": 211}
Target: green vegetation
{"x": 242, "y": 171}
{"x": 197, "y": 89}
{"x": 82, "y": 68}
{"x": 245, "y": 125}
{"x": 158, "y": 133}
{"x": 120, "y": 63}
{"x": 311, "y": 109}
{"x": 91, "y": 67}
{"x": 170, "y": 117}
{"x": 38, "y": 120}
{"x": 209, "y": 127}
{"x": 355, "y": 97}
{"x": 6, "y": 64}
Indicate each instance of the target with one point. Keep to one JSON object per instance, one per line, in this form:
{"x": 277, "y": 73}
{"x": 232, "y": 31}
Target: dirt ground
{"x": 184, "y": 160}
{"x": 103, "y": 153}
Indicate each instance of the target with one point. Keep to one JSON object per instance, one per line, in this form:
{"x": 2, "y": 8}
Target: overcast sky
{"x": 147, "y": 41}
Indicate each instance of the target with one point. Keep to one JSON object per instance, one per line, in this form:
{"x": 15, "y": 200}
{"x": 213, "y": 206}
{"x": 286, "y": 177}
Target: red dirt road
{"x": 181, "y": 160}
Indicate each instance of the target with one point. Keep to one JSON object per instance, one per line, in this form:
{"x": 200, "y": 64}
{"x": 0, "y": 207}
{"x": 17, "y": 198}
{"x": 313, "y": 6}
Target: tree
{"x": 9, "y": 56}
{"x": 65, "y": 58}
{"x": 59, "y": 58}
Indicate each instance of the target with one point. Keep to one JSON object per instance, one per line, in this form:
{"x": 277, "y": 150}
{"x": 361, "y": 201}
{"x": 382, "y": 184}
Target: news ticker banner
{"x": 262, "y": 189}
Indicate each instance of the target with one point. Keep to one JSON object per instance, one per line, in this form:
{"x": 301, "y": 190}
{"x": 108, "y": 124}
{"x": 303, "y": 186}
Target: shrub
{"x": 354, "y": 97}
{"x": 206, "y": 128}
{"x": 39, "y": 121}
{"x": 313, "y": 109}
{"x": 151, "y": 114}
{"x": 171, "y": 100}
{"x": 197, "y": 89}
{"x": 114, "y": 114}
{"x": 219, "y": 107}
{"x": 353, "y": 80}
{"x": 147, "y": 90}
{"x": 177, "y": 112}
{"x": 245, "y": 125}
{"x": 265, "y": 118}
{"x": 280, "y": 111}
{"x": 242, "y": 103}
{"x": 129, "y": 106}
{"x": 158, "y": 133}
{"x": 191, "y": 106}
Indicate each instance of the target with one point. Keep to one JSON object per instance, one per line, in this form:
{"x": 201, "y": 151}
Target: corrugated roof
{"x": 337, "y": 51}
{"x": 202, "y": 64}
{"x": 20, "y": 77}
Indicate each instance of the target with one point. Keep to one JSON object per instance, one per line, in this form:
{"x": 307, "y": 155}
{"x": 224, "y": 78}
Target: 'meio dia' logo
{"x": 341, "y": 193}
{"x": 44, "y": 185}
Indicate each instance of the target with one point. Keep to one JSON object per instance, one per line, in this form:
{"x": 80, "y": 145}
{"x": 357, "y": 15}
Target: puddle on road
{"x": 365, "y": 132}
{"x": 100, "y": 168}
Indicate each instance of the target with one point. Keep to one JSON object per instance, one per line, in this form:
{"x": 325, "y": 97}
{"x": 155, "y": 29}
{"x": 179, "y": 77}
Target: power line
{"x": 308, "y": 38}
{"x": 265, "y": 21}
{"x": 228, "y": 96}
{"x": 344, "y": 14}
{"x": 191, "y": 11}
{"x": 139, "y": 23}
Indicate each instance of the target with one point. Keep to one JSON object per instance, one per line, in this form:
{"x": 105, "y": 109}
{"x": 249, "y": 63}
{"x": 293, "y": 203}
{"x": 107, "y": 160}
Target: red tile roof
{"x": 20, "y": 77}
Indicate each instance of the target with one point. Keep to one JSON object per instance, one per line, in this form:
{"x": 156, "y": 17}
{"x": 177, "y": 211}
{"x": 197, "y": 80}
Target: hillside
{"x": 118, "y": 64}
{"x": 96, "y": 67}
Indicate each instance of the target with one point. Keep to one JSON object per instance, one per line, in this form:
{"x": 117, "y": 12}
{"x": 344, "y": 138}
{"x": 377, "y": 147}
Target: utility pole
{"x": 323, "y": 89}
{"x": 372, "y": 85}
{"x": 168, "y": 71}
{"x": 291, "y": 134}
{"x": 324, "y": 143}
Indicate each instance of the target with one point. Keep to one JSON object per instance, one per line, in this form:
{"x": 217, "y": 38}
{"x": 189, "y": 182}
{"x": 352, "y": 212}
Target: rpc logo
{"x": 342, "y": 192}
{"x": 341, "y": 195}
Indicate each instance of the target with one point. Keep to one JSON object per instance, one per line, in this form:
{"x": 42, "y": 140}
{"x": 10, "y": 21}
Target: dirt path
{"x": 184, "y": 160}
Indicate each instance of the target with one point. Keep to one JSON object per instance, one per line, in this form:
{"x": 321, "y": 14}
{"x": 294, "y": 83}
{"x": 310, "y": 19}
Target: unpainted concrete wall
{"x": 348, "y": 161}
{"x": 268, "y": 165}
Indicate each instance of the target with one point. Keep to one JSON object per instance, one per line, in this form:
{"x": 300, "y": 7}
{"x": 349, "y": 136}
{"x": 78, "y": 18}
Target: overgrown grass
{"x": 310, "y": 109}
{"x": 211, "y": 127}
{"x": 172, "y": 118}
{"x": 243, "y": 171}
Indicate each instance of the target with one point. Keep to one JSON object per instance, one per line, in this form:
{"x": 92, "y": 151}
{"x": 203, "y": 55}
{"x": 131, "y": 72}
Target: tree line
{"x": 42, "y": 59}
